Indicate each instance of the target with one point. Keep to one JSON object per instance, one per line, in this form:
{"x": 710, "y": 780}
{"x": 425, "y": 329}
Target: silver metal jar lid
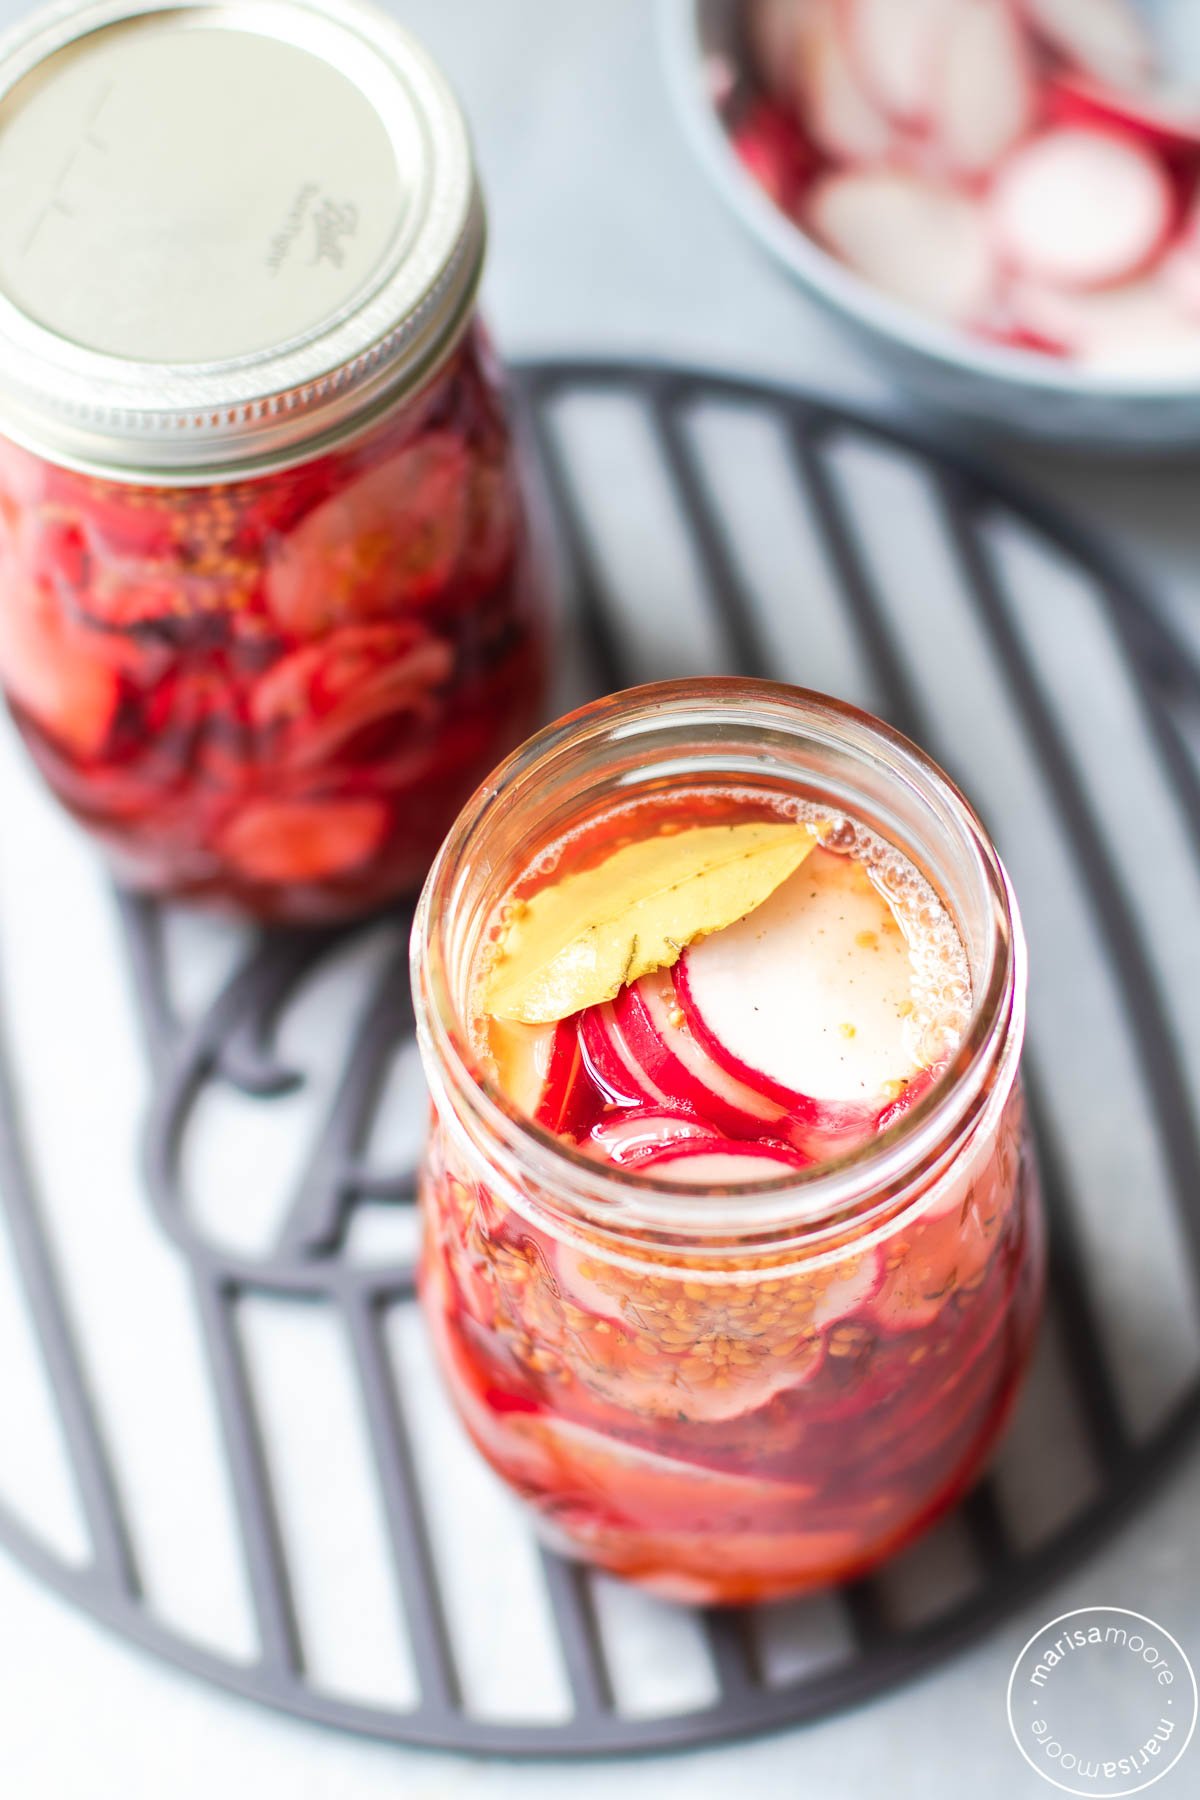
{"x": 230, "y": 230}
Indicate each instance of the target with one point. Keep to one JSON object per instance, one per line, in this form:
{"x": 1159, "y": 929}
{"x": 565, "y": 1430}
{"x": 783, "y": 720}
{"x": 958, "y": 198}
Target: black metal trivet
{"x": 712, "y": 524}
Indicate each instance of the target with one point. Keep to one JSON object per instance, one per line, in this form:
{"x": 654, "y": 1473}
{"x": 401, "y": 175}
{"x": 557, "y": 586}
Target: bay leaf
{"x": 578, "y": 941}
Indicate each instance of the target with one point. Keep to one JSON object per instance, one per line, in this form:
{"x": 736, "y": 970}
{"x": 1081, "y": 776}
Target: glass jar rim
{"x": 856, "y": 1188}
{"x": 292, "y": 380}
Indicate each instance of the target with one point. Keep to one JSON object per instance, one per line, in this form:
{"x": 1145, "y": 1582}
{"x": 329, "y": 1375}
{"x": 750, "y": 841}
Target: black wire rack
{"x": 675, "y": 526}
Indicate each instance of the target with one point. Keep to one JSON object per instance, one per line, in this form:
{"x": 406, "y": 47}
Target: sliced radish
{"x": 895, "y": 47}
{"x": 642, "y": 1487}
{"x": 1081, "y": 208}
{"x": 49, "y": 669}
{"x": 1105, "y": 38}
{"x": 943, "y": 1255}
{"x": 638, "y": 1137}
{"x": 567, "y": 1094}
{"x": 713, "y": 1162}
{"x": 852, "y": 1288}
{"x": 1166, "y": 118}
{"x": 810, "y": 994}
{"x": 921, "y": 241}
{"x": 1011, "y": 336}
{"x": 612, "y": 1064}
{"x": 835, "y": 108}
{"x": 674, "y": 1063}
{"x": 984, "y": 96}
{"x": 280, "y": 841}
{"x": 775, "y": 153}
{"x": 1141, "y": 322}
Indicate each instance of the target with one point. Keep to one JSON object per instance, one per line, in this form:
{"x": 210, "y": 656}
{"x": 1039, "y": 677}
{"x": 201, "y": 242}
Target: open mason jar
{"x": 733, "y": 1391}
{"x": 267, "y": 611}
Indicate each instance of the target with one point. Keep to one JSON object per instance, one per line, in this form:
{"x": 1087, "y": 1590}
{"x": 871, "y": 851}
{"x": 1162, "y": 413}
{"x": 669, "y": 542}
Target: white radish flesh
{"x": 922, "y": 242}
{"x": 1105, "y": 38}
{"x": 835, "y": 108}
{"x": 658, "y": 1038}
{"x": 719, "y": 1165}
{"x": 985, "y": 97}
{"x": 1082, "y": 208}
{"x": 895, "y": 46}
{"x": 1142, "y": 323}
{"x": 814, "y": 989}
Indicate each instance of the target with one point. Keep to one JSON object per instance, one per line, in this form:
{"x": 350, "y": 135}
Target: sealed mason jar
{"x": 743, "y": 1388}
{"x": 267, "y": 612}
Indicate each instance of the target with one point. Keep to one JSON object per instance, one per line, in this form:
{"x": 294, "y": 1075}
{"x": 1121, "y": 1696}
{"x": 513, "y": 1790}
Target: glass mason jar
{"x": 745, "y": 1391}
{"x": 267, "y": 611}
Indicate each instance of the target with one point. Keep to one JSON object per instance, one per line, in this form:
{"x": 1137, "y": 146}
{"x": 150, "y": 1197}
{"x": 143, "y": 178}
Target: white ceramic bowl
{"x": 1015, "y": 392}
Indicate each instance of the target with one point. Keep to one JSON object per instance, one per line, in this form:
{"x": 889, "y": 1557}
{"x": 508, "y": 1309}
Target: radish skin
{"x": 639, "y": 1137}
{"x": 653, "y": 1025}
{"x": 920, "y": 241}
{"x": 1168, "y": 121}
{"x": 714, "y": 1162}
{"x": 812, "y": 992}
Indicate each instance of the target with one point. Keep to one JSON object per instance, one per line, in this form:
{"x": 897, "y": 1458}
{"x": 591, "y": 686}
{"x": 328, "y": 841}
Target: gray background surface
{"x": 605, "y": 237}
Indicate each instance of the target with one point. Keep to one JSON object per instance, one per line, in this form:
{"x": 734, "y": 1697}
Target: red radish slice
{"x": 641, "y": 1136}
{"x": 675, "y": 1064}
{"x": 712, "y": 1162}
{"x": 1167, "y": 119}
{"x": 303, "y": 840}
{"x": 984, "y": 96}
{"x": 610, "y": 1474}
{"x": 611, "y": 1063}
{"x": 1141, "y": 319}
{"x": 1081, "y": 208}
{"x": 567, "y": 1093}
{"x": 852, "y": 1288}
{"x": 811, "y": 993}
{"x": 835, "y": 109}
{"x": 946, "y": 1251}
{"x": 921, "y": 242}
{"x": 895, "y": 46}
{"x": 914, "y": 1093}
{"x": 1105, "y": 38}
{"x": 818, "y": 1127}
{"x": 774, "y": 152}
{"x": 1141, "y": 323}
{"x": 1009, "y": 336}
{"x": 50, "y": 669}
